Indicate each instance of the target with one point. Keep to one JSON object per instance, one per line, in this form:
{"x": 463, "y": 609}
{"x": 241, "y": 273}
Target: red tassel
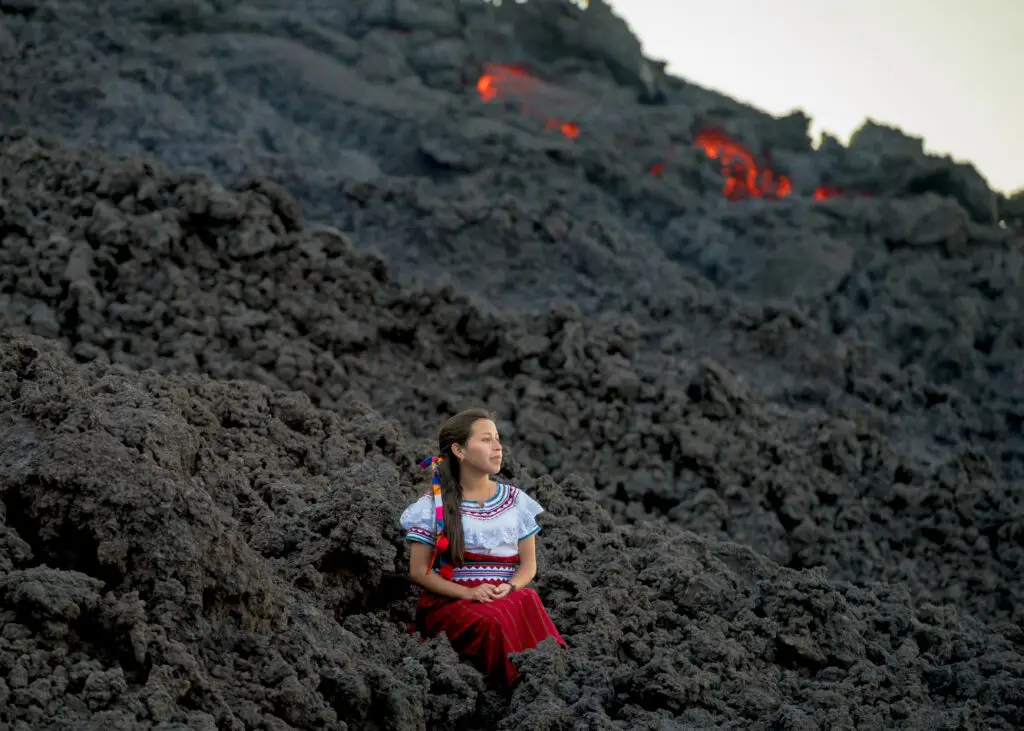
{"x": 447, "y": 572}
{"x": 442, "y": 544}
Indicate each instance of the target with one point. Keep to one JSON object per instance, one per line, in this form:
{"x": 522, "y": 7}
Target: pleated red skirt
{"x": 485, "y": 634}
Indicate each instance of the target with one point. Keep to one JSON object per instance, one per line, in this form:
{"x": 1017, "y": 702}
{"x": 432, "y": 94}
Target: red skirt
{"x": 485, "y": 634}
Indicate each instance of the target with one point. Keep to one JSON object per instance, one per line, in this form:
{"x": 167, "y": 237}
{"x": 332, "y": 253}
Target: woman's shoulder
{"x": 520, "y": 498}
{"x": 425, "y": 498}
{"x": 421, "y": 509}
{"x": 510, "y": 495}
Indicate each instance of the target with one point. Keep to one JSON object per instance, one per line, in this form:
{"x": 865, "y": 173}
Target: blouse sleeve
{"x": 527, "y": 510}
{"x": 418, "y": 521}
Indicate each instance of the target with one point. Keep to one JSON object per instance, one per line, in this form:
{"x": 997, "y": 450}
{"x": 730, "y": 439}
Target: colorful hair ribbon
{"x": 441, "y": 540}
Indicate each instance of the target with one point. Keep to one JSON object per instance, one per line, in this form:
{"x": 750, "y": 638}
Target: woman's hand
{"x": 484, "y": 593}
{"x": 502, "y": 590}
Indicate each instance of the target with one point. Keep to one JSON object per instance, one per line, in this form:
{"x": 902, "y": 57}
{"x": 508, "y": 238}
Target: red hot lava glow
{"x": 827, "y": 191}
{"x": 502, "y": 81}
{"x": 744, "y": 178}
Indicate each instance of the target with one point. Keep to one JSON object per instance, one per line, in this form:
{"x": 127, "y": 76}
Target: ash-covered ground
{"x": 779, "y": 438}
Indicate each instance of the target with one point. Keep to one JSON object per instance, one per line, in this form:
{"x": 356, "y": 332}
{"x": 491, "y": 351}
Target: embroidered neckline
{"x": 498, "y": 494}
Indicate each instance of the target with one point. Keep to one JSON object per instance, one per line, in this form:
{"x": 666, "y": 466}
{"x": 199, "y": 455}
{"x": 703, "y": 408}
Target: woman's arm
{"x": 527, "y": 563}
{"x": 419, "y": 560}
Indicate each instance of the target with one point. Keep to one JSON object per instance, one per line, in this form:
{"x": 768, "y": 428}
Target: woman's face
{"x": 482, "y": 451}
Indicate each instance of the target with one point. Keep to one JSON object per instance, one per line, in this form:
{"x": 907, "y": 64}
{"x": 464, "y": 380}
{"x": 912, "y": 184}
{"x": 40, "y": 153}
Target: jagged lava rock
{"x": 834, "y": 384}
{"x": 154, "y": 269}
{"x": 180, "y": 551}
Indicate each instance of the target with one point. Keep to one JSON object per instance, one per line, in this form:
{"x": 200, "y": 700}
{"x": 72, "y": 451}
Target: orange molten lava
{"x": 827, "y": 191}
{"x": 743, "y": 178}
{"x": 501, "y": 81}
{"x": 657, "y": 168}
{"x": 569, "y": 129}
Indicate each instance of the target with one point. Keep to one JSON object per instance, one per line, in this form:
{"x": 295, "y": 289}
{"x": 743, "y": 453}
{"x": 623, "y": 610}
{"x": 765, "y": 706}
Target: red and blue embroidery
{"x": 492, "y": 528}
{"x": 504, "y": 499}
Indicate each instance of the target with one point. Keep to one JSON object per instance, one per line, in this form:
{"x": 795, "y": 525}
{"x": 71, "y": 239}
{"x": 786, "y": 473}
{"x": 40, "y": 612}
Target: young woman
{"x": 473, "y": 552}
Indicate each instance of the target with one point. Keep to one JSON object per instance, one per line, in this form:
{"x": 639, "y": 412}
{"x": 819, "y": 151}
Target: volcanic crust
{"x": 252, "y": 253}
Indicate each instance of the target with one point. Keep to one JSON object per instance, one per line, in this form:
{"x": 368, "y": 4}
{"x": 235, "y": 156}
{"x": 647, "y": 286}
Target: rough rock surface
{"x": 183, "y": 552}
{"x": 780, "y": 441}
{"x": 173, "y": 272}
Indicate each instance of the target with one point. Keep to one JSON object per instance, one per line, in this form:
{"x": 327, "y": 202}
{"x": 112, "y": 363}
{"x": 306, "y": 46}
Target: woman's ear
{"x": 457, "y": 451}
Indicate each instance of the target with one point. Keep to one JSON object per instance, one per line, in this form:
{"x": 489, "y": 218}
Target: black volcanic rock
{"x": 267, "y": 245}
{"x": 181, "y": 551}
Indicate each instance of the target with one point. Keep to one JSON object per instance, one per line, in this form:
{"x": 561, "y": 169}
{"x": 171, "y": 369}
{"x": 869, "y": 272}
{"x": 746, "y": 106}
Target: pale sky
{"x": 951, "y": 71}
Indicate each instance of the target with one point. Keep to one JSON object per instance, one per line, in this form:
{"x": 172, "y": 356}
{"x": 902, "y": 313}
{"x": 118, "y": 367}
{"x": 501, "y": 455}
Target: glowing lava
{"x": 569, "y": 129}
{"x": 743, "y": 178}
{"x": 502, "y": 81}
{"x": 827, "y": 191}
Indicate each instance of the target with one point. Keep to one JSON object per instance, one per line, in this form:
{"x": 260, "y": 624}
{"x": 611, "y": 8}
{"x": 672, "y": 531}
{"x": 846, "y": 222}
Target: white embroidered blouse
{"x": 493, "y": 529}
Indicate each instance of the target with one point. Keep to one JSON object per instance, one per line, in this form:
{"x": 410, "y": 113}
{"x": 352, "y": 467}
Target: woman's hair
{"x": 455, "y": 430}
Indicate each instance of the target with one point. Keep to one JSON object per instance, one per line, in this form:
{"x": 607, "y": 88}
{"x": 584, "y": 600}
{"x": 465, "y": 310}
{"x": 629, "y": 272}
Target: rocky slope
{"x": 791, "y": 416}
{"x": 186, "y": 553}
